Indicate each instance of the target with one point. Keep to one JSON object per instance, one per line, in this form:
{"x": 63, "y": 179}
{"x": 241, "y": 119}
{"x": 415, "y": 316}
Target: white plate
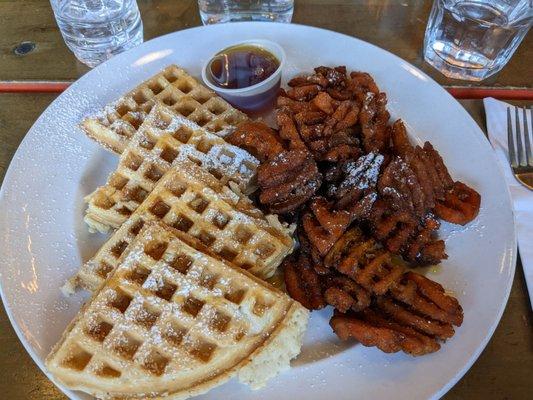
{"x": 43, "y": 238}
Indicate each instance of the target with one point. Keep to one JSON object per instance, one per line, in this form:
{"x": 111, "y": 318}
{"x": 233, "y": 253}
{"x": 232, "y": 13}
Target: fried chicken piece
{"x": 371, "y": 328}
{"x": 460, "y": 205}
{"x": 257, "y": 138}
{"x": 302, "y": 282}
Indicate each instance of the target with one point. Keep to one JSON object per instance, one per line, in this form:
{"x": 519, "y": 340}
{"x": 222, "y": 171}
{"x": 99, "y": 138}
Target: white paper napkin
{"x": 496, "y": 113}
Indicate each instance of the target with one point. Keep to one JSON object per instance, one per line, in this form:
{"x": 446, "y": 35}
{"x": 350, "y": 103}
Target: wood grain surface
{"x": 395, "y": 25}
{"x": 503, "y": 371}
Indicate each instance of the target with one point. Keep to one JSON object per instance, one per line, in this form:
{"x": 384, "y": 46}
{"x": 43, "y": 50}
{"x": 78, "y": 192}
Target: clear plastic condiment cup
{"x": 256, "y": 97}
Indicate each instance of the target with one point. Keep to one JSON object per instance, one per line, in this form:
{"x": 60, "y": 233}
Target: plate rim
{"x": 512, "y": 261}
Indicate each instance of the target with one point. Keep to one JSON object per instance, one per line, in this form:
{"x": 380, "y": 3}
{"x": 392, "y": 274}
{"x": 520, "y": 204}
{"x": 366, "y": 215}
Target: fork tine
{"x": 510, "y": 140}
{"x": 519, "y": 147}
{"x": 529, "y": 157}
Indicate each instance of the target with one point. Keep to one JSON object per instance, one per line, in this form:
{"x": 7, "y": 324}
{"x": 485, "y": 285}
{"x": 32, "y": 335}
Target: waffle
{"x": 193, "y": 201}
{"x": 164, "y": 138}
{"x": 173, "y": 321}
{"x": 119, "y": 121}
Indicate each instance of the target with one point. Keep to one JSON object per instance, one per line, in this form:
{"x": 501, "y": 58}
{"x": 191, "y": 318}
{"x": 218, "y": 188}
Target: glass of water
{"x": 95, "y": 30}
{"x": 474, "y": 39}
{"x": 219, "y": 11}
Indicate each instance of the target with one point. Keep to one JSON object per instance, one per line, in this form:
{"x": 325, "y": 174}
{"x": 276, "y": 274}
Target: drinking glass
{"x": 95, "y": 30}
{"x": 474, "y": 39}
{"x": 218, "y": 11}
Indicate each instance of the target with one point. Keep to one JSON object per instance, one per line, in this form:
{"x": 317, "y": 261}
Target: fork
{"x": 522, "y": 166}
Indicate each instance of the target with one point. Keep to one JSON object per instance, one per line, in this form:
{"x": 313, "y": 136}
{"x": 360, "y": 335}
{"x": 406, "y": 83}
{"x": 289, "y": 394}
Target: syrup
{"x": 242, "y": 66}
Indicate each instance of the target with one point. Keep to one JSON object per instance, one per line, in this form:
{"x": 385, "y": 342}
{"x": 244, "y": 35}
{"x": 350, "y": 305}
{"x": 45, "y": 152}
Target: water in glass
{"x": 218, "y": 11}
{"x": 95, "y": 30}
{"x": 474, "y": 39}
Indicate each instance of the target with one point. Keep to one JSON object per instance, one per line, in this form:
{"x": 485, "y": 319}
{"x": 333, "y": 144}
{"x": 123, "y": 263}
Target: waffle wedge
{"x": 164, "y": 138}
{"x": 119, "y": 121}
{"x": 192, "y": 200}
{"x": 173, "y": 321}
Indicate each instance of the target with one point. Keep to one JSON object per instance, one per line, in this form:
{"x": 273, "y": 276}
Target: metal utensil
{"x": 520, "y": 157}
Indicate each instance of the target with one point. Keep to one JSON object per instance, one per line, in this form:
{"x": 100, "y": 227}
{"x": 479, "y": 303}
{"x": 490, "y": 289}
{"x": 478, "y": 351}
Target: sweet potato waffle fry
{"x": 366, "y": 201}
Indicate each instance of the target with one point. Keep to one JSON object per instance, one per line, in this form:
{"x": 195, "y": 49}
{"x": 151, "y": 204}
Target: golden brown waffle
{"x": 119, "y": 121}
{"x": 164, "y": 138}
{"x": 193, "y": 201}
{"x": 173, "y": 321}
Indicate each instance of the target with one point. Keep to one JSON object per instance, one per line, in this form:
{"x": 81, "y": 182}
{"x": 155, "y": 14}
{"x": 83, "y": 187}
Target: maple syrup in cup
{"x": 247, "y": 74}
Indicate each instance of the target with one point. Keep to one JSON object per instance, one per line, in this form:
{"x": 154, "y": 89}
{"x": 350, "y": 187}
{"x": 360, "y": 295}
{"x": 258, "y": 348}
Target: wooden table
{"x": 503, "y": 370}
{"x": 395, "y": 25}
